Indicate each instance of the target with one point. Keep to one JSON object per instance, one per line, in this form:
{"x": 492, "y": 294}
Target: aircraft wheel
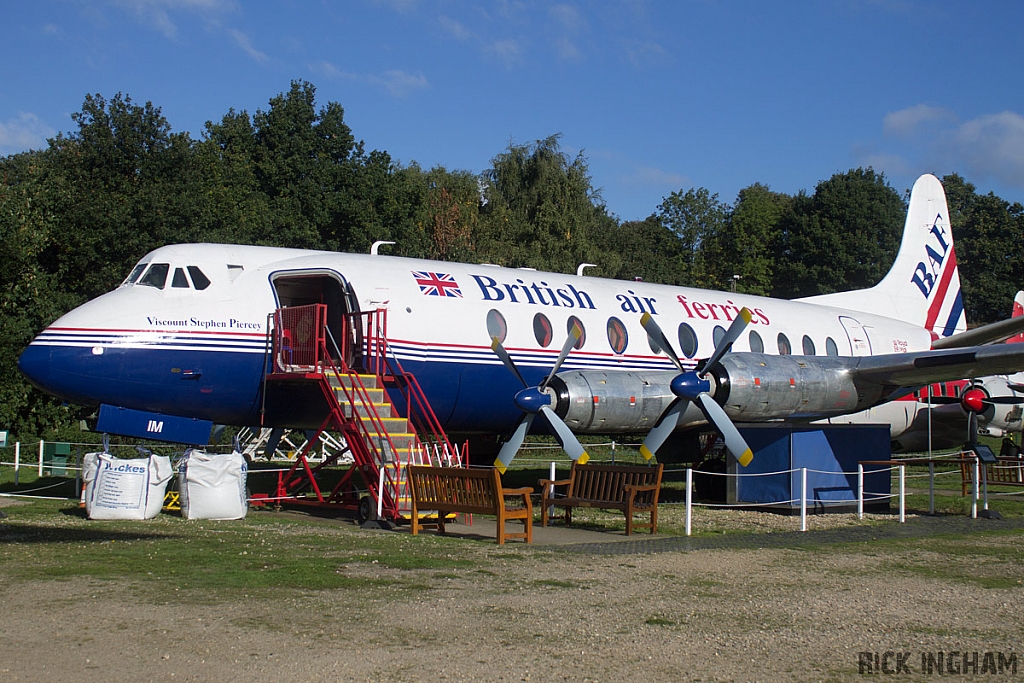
{"x": 367, "y": 511}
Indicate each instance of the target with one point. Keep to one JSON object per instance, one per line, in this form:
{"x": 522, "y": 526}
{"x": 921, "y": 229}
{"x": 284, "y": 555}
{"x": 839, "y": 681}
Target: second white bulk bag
{"x": 212, "y": 486}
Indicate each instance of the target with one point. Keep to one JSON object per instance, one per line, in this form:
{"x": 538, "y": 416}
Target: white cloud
{"x": 506, "y": 50}
{"x": 993, "y": 145}
{"x": 243, "y": 41}
{"x": 156, "y": 13}
{"x": 455, "y": 28}
{"x": 23, "y": 133}
{"x": 906, "y": 122}
{"x": 399, "y": 83}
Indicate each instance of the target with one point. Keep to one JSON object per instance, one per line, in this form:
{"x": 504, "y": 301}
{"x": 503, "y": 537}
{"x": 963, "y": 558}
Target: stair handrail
{"x": 385, "y": 363}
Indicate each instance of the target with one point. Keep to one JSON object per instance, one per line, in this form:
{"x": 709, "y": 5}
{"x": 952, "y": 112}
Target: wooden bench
{"x": 447, "y": 490}
{"x": 1008, "y": 472}
{"x": 630, "y": 488}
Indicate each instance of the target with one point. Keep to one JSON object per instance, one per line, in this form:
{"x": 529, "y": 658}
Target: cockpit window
{"x": 199, "y": 279}
{"x": 156, "y": 276}
{"x": 136, "y": 272}
{"x": 179, "y": 281}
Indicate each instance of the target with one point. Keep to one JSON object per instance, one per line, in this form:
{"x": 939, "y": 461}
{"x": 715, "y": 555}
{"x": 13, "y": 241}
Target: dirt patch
{"x": 533, "y": 614}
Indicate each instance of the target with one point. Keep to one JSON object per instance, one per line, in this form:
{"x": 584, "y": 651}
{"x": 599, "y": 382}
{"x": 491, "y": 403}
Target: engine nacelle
{"x": 598, "y": 402}
{"x": 753, "y": 387}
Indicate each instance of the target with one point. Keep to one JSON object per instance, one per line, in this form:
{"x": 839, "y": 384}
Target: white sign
{"x": 3, "y": 439}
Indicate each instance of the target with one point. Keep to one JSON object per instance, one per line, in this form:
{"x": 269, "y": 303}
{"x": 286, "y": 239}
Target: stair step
{"x": 393, "y": 425}
{"x": 376, "y": 395}
{"x": 368, "y": 381}
{"x": 383, "y": 409}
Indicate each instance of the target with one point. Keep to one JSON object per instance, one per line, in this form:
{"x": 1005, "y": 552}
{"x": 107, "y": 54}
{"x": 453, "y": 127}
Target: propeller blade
{"x": 665, "y": 426}
{"x": 570, "y": 444}
{"x": 659, "y": 339}
{"x": 731, "y": 335}
{"x": 511, "y": 447}
{"x": 506, "y": 359}
{"x": 570, "y": 341}
{"x": 1005, "y": 400}
{"x": 734, "y": 441}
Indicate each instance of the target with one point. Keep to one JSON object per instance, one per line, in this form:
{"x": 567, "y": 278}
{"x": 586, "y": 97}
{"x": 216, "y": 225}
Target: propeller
{"x": 692, "y": 386}
{"x": 537, "y": 400}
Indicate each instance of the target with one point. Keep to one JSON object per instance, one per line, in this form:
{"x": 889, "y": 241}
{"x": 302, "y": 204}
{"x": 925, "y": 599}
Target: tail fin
{"x": 1018, "y": 311}
{"x": 923, "y": 285}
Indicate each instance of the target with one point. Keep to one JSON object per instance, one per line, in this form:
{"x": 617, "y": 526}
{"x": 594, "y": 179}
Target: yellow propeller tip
{"x": 644, "y": 318}
{"x": 747, "y": 456}
{"x": 646, "y": 452}
{"x": 500, "y": 466}
{"x": 746, "y": 314}
{"x": 583, "y": 458}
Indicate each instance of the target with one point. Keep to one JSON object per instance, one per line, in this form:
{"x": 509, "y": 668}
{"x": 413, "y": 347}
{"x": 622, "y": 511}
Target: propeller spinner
{"x": 537, "y": 400}
{"x": 693, "y": 386}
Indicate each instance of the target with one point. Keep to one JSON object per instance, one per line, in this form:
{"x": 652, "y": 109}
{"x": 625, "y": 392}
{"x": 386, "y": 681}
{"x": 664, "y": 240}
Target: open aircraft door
{"x": 860, "y": 343}
{"x": 304, "y": 287}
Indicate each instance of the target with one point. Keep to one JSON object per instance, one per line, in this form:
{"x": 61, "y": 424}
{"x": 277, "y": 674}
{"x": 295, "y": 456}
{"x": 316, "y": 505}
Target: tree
{"x": 844, "y": 236}
{"x": 751, "y": 238}
{"x": 988, "y": 232}
{"x": 698, "y": 220}
{"x": 539, "y": 209}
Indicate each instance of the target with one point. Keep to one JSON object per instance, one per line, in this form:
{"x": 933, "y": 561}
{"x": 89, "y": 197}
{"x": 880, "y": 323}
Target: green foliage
{"x": 698, "y": 219}
{"x": 989, "y": 232}
{"x": 540, "y": 210}
{"x": 844, "y": 236}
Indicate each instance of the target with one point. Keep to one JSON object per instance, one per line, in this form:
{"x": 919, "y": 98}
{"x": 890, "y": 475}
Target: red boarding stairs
{"x": 355, "y": 403}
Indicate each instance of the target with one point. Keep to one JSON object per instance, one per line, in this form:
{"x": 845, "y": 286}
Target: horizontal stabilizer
{"x": 155, "y": 426}
{"x": 986, "y": 334}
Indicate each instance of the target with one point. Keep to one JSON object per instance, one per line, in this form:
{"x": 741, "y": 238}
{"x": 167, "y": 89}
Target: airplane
{"x": 185, "y": 336}
{"x": 940, "y": 416}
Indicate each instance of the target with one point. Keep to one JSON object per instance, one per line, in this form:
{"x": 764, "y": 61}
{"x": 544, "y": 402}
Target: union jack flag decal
{"x": 437, "y": 284}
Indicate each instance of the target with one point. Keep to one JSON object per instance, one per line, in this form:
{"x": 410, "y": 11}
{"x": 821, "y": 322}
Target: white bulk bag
{"x": 212, "y": 486}
{"x": 124, "y": 489}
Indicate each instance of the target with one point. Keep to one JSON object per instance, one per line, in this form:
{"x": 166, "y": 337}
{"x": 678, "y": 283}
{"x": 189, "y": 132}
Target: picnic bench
{"x": 630, "y": 488}
{"x": 447, "y": 490}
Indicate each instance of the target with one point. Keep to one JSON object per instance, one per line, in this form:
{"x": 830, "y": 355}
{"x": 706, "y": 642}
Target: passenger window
{"x": 830, "y": 347}
{"x": 784, "y": 348}
{"x": 156, "y": 276}
{"x": 618, "y": 338}
{"x": 808, "y": 345}
{"x": 199, "y": 279}
{"x": 179, "y": 281}
{"x": 136, "y": 272}
{"x": 717, "y": 334}
{"x": 542, "y": 330}
{"x": 687, "y": 340}
{"x": 756, "y": 345}
{"x": 573, "y": 320}
{"x": 496, "y": 326}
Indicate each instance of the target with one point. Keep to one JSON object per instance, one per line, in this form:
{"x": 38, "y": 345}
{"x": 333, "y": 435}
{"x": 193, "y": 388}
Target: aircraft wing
{"x": 986, "y": 334}
{"x": 925, "y": 367}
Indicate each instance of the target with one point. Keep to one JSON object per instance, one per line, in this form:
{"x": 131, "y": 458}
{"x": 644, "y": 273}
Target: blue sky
{"x": 659, "y": 96}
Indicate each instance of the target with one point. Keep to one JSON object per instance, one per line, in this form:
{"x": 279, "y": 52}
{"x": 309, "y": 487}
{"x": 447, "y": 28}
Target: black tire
{"x": 367, "y": 511}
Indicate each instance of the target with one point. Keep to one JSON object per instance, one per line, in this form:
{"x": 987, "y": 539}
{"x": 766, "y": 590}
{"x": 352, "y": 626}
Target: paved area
{"x": 575, "y": 539}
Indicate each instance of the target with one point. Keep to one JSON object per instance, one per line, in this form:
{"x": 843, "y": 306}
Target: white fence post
{"x": 17, "y": 460}
{"x": 903, "y": 493}
{"x": 41, "y": 457}
{"x": 803, "y": 499}
{"x": 860, "y": 491}
{"x": 551, "y": 488}
{"x": 974, "y": 491}
{"x": 689, "y": 500}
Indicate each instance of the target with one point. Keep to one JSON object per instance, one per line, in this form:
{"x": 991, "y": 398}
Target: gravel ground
{"x": 552, "y": 613}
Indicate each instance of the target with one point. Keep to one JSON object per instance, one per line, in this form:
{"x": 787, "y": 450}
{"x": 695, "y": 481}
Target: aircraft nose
{"x": 35, "y": 363}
